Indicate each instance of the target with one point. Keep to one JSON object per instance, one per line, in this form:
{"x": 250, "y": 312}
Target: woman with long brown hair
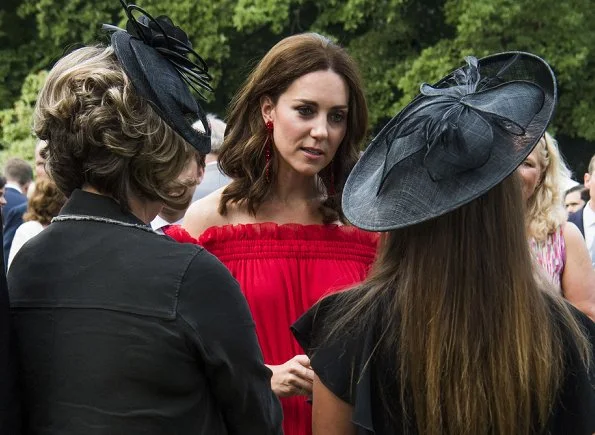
{"x": 451, "y": 333}
{"x": 293, "y": 135}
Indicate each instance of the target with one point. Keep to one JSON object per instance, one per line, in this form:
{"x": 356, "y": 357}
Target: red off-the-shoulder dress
{"x": 283, "y": 270}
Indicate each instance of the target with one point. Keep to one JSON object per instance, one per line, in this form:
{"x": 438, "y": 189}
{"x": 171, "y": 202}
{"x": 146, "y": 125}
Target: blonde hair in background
{"x": 100, "y": 132}
{"x": 545, "y": 209}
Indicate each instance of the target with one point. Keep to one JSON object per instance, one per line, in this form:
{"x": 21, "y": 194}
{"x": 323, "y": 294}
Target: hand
{"x": 294, "y": 378}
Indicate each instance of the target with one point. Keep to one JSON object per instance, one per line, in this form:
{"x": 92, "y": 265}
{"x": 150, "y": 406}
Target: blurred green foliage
{"x": 398, "y": 43}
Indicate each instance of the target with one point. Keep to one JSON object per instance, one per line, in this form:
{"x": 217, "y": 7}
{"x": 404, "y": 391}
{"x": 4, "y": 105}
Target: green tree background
{"x": 397, "y": 43}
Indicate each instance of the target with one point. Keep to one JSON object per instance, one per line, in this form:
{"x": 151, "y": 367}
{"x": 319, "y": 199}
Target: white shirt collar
{"x": 159, "y": 223}
{"x": 14, "y": 186}
{"x": 588, "y": 215}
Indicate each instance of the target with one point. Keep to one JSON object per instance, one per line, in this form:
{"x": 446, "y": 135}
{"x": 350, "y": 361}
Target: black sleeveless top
{"x": 361, "y": 377}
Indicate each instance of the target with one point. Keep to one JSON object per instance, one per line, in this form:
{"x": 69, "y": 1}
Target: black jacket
{"x": 124, "y": 331}
{"x": 577, "y": 219}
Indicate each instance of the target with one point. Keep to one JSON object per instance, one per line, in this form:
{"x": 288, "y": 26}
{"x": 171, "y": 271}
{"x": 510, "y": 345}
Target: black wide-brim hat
{"x": 158, "y": 58}
{"x": 454, "y": 142}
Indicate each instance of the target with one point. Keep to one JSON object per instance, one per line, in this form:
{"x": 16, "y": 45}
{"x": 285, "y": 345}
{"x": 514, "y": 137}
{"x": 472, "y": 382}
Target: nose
{"x": 320, "y": 128}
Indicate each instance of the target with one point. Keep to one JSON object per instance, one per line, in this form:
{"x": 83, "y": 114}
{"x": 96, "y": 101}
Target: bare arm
{"x": 330, "y": 415}
{"x": 578, "y": 278}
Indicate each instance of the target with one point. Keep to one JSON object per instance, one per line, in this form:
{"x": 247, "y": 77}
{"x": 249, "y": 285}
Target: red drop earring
{"x": 268, "y": 151}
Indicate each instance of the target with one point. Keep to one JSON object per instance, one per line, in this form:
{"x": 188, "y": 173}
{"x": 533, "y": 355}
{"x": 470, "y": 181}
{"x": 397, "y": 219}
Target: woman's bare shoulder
{"x": 572, "y": 235}
{"x": 204, "y": 214}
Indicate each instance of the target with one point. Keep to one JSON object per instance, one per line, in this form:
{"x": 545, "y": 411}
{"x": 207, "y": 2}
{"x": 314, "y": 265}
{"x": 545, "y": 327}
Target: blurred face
{"x": 573, "y": 201}
{"x": 39, "y": 162}
{"x": 310, "y": 121}
{"x": 191, "y": 176}
{"x": 530, "y": 173}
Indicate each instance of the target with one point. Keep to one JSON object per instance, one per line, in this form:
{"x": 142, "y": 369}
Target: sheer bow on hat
{"x": 453, "y": 142}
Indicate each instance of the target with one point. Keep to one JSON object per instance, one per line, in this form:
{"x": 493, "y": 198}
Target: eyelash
{"x": 305, "y": 110}
{"x": 308, "y": 111}
{"x": 340, "y": 116}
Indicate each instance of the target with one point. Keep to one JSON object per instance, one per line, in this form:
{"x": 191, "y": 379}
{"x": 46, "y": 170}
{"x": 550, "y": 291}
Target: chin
{"x": 310, "y": 170}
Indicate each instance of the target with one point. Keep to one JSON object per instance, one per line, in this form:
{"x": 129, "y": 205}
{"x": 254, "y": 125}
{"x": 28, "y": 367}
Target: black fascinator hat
{"x": 158, "y": 58}
{"x": 453, "y": 142}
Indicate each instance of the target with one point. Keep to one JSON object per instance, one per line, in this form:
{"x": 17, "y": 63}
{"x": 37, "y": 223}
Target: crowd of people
{"x": 169, "y": 272}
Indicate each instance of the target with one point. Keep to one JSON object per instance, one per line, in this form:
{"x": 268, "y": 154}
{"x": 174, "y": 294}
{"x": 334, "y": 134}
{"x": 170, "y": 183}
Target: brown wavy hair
{"x": 242, "y": 154}
{"x": 475, "y": 345}
{"x": 101, "y": 133}
{"x": 45, "y": 203}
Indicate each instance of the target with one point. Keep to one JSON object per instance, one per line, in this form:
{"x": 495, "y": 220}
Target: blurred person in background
{"x": 19, "y": 175}
{"x": 575, "y": 198}
{"x": 45, "y": 203}
{"x": 584, "y": 218}
{"x": 556, "y": 244}
{"x": 190, "y": 177}
{"x": 14, "y": 217}
{"x": 213, "y": 178}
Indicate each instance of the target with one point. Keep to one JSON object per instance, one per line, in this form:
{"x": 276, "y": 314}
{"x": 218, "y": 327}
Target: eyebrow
{"x": 314, "y": 103}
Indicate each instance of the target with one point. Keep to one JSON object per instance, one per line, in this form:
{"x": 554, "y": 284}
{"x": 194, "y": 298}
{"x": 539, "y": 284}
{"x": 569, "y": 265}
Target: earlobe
{"x": 587, "y": 180}
{"x": 267, "y": 109}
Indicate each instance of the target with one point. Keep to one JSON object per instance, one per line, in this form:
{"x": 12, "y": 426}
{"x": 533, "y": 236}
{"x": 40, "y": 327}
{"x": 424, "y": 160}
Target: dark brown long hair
{"x": 475, "y": 344}
{"x": 242, "y": 155}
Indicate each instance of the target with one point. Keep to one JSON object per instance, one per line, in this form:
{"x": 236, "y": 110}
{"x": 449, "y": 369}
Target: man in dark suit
{"x": 584, "y": 219}
{"x": 13, "y": 216}
{"x": 19, "y": 175}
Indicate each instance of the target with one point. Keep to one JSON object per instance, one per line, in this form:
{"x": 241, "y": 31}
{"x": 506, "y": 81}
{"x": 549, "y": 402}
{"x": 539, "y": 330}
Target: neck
{"x": 292, "y": 187}
{"x": 170, "y": 215}
{"x": 591, "y": 204}
{"x": 142, "y": 209}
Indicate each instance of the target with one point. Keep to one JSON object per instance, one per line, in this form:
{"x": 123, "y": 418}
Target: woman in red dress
{"x": 293, "y": 135}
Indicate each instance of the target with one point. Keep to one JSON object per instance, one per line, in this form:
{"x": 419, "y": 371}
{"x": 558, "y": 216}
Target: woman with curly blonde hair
{"x": 557, "y": 245}
{"x": 44, "y": 204}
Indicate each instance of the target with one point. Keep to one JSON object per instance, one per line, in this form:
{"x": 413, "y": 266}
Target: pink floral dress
{"x": 551, "y": 255}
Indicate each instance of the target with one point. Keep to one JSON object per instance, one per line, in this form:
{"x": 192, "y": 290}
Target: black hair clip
{"x": 171, "y": 42}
